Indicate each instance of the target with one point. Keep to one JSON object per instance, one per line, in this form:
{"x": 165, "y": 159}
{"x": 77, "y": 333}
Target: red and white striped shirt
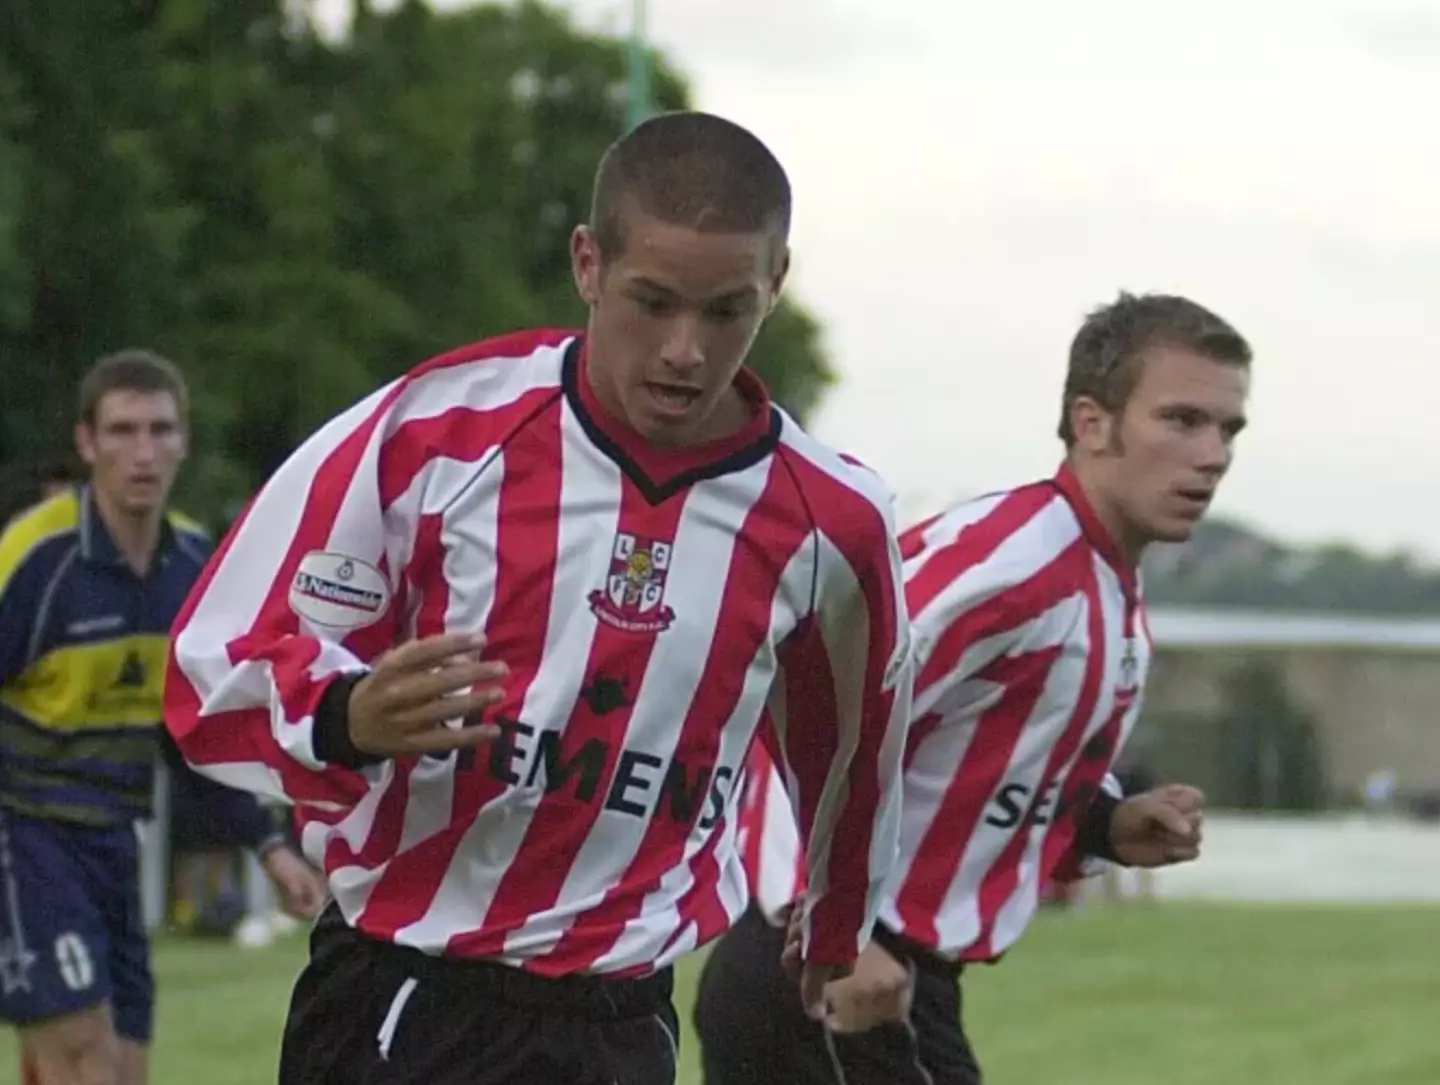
{"x": 1031, "y": 652}
{"x": 650, "y": 605}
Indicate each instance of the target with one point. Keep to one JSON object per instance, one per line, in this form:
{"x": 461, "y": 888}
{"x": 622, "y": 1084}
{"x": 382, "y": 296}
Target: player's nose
{"x": 682, "y": 352}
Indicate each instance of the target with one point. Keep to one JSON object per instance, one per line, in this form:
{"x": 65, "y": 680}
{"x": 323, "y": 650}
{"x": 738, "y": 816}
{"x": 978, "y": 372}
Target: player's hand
{"x": 408, "y": 701}
{"x": 301, "y": 887}
{"x": 812, "y": 978}
{"x": 879, "y": 990}
{"x": 1159, "y": 827}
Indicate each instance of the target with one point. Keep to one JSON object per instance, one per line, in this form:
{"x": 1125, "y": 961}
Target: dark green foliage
{"x": 294, "y": 221}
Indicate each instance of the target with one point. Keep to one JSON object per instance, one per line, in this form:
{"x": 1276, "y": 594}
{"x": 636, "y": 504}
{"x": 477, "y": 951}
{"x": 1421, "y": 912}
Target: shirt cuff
{"x": 1092, "y": 838}
{"x": 331, "y": 736}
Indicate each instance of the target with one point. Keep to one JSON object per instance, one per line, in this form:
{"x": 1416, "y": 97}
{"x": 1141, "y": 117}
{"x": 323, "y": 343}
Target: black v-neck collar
{"x": 660, "y": 472}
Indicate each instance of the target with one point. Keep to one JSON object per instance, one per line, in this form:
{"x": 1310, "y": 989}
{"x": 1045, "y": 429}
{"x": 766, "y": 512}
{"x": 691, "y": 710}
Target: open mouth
{"x": 1197, "y": 497}
{"x": 673, "y": 398}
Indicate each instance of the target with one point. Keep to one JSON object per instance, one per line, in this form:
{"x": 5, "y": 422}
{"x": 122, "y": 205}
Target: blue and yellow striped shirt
{"x": 83, "y": 641}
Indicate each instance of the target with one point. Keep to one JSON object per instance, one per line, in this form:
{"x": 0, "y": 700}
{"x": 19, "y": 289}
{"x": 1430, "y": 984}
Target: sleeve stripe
{"x": 31, "y": 529}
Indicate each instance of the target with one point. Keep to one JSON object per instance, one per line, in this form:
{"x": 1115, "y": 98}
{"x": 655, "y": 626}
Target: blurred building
{"x": 1369, "y": 687}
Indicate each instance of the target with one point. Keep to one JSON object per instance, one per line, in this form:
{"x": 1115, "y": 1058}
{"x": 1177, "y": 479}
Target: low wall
{"x": 1343, "y": 859}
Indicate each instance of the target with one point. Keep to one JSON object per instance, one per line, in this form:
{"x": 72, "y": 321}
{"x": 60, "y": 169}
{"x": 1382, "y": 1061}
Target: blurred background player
{"x": 90, "y": 581}
{"x": 1032, "y": 652}
{"x": 23, "y": 485}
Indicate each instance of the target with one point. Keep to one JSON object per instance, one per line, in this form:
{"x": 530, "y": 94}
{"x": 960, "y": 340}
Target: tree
{"x": 296, "y": 221}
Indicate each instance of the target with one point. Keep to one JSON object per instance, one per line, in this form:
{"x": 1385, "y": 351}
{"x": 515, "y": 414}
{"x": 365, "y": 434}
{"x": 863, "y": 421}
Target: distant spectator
{"x": 1378, "y": 792}
{"x": 56, "y": 476}
{"x": 25, "y": 484}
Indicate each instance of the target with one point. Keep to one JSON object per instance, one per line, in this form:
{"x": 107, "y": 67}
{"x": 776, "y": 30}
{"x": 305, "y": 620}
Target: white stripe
{"x": 669, "y": 1039}
{"x": 779, "y": 847}
{"x": 388, "y": 1027}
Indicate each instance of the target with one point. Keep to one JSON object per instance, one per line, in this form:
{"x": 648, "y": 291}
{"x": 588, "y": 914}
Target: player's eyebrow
{"x": 651, "y": 285}
{"x": 744, "y": 293}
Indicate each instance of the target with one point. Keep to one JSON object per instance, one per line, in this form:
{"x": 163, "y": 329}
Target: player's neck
{"x": 136, "y": 536}
{"x": 1129, "y": 544}
{"x": 731, "y": 415}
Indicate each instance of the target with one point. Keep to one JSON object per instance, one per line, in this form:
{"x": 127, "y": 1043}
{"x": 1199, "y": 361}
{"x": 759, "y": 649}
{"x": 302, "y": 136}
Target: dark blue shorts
{"x": 71, "y": 930}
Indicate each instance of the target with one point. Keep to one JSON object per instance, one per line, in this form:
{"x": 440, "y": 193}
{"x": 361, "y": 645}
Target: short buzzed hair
{"x": 1106, "y": 353}
{"x": 131, "y": 370}
{"x": 690, "y": 169}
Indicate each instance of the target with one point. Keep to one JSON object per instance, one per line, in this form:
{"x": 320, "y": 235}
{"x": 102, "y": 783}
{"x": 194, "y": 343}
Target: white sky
{"x": 972, "y": 175}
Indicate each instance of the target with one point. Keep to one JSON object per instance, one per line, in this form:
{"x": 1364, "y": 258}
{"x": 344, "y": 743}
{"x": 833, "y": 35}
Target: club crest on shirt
{"x": 633, "y": 598}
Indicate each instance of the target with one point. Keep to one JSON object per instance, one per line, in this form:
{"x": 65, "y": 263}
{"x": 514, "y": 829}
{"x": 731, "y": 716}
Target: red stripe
{"x": 560, "y": 825}
{"x": 753, "y": 810}
{"x": 811, "y": 736}
{"x": 913, "y": 541}
{"x": 1000, "y": 881}
{"x": 975, "y": 543}
{"x": 526, "y": 524}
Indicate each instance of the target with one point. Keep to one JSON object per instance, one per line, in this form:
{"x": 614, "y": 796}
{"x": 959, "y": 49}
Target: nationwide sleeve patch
{"x": 337, "y": 591}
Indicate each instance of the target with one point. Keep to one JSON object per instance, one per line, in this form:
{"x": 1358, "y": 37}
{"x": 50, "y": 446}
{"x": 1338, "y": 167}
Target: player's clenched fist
{"x": 412, "y": 700}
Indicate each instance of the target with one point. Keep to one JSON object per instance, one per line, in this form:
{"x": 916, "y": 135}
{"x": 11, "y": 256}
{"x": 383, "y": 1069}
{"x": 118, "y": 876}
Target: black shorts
{"x": 366, "y": 1012}
{"x": 753, "y": 1029}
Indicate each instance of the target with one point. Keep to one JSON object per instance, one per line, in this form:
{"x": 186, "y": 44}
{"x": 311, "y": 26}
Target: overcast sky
{"x": 972, "y": 176}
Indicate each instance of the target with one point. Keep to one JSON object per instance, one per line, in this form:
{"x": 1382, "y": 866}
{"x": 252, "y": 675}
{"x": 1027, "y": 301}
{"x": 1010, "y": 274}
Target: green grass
{"x": 1187, "y": 995}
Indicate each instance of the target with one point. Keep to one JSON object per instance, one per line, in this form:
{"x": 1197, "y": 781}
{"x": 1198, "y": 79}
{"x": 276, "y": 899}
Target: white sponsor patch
{"x": 338, "y": 591}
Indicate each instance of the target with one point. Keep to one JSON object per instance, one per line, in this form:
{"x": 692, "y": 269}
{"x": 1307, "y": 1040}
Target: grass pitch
{"x": 1179, "y": 993}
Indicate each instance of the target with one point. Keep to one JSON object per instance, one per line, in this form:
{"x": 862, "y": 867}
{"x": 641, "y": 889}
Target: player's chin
{"x": 1172, "y": 529}
{"x": 141, "y": 504}
{"x": 669, "y": 426}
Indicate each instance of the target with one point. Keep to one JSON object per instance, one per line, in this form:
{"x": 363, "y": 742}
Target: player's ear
{"x": 585, "y": 264}
{"x": 1092, "y": 424}
{"x": 85, "y": 443}
{"x": 781, "y": 273}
